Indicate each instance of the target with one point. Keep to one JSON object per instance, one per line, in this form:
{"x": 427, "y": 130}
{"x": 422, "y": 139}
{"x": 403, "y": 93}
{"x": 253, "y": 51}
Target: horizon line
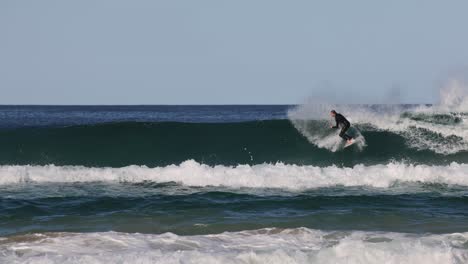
{"x": 207, "y": 104}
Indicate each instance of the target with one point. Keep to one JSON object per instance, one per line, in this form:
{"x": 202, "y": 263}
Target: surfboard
{"x": 349, "y": 144}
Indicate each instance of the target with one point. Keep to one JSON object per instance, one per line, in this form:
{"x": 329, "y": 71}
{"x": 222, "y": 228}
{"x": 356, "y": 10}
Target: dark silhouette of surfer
{"x": 342, "y": 122}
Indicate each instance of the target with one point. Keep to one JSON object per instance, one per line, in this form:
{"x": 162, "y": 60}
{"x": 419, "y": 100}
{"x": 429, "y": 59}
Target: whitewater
{"x": 292, "y": 177}
{"x": 271, "y": 245}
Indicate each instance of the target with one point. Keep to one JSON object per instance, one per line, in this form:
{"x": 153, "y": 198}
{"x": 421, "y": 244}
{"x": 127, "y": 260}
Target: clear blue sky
{"x": 225, "y": 52}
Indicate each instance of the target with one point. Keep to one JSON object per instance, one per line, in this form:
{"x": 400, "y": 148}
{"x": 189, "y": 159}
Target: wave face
{"x": 257, "y": 246}
{"x": 161, "y": 144}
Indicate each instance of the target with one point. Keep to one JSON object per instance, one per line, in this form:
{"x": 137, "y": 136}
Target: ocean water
{"x": 234, "y": 184}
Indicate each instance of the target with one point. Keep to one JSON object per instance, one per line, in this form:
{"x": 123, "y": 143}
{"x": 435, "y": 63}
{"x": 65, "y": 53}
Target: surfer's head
{"x": 333, "y": 113}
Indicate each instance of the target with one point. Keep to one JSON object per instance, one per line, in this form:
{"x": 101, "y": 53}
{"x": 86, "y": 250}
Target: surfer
{"x": 342, "y": 122}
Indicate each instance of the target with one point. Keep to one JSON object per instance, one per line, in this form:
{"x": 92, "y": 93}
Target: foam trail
{"x": 271, "y": 245}
{"x": 442, "y": 128}
{"x": 279, "y": 175}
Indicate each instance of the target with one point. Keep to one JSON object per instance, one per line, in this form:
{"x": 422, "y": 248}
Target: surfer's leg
{"x": 347, "y": 137}
{"x": 344, "y": 135}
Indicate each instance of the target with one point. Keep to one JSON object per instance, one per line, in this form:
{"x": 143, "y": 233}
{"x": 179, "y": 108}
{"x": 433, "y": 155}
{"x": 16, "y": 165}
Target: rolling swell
{"x": 165, "y": 143}
{"x": 213, "y": 208}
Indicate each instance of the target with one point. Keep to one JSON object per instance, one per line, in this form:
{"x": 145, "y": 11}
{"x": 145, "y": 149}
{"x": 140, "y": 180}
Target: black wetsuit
{"x": 341, "y": 120}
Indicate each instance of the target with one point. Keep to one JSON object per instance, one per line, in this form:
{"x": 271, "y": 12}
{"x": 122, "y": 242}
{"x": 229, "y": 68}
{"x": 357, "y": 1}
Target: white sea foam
{"x": 441, "y": 138}
{"x": 293, "y": 177}
{"x": 271, "y": 245}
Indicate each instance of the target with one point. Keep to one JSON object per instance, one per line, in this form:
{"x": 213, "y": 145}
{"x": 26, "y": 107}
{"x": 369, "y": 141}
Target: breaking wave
{"x": 442, "y": 128}
{"x": 279, "y": 175}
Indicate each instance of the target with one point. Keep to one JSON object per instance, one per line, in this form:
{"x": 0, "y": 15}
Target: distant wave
{"x": 269, "y": 245}
{"x": 291, "y": 177}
